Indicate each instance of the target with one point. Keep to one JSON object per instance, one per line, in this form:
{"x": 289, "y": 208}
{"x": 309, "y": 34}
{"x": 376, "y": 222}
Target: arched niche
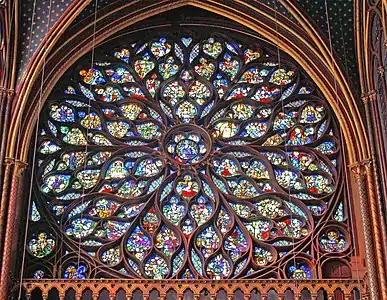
{"x": 121, "y": 294}
{"x": 336, "y": 269}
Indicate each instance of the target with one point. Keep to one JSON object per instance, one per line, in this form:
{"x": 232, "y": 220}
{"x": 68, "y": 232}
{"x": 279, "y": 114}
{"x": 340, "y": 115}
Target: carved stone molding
{"x": 196, "y": 286}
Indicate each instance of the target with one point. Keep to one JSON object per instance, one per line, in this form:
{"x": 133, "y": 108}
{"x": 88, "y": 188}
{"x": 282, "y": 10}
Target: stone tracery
{"x": 184, "y": 158}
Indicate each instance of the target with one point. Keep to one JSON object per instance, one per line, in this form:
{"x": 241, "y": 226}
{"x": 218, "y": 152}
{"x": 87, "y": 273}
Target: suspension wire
{"x": 285, "y": 141}
{"x": 10, "y": 26}
{"x": 36, "y": 136}
{"x": 340, "y": 131}
{"x": 87, "y": 128}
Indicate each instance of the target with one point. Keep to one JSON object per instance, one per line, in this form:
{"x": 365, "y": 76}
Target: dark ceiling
{"x": 340, "y": 18}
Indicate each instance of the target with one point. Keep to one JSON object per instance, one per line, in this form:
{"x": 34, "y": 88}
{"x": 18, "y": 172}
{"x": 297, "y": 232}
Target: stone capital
{"x": 364, "y": 98}
{"x": 9, "y": 92}
{"x": 9, "y": 161}
{"x": 372, "y": 96}
{"x": 358, "y": 169}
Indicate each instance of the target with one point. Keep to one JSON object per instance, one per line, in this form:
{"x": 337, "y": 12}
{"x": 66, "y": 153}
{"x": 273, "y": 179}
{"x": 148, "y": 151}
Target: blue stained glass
{"x": 194, "y": 53}
{"x": 232, "y": 47}
{"x": 339, "y": 214}
{"x": 160, "y": 48}
{"x": 115, "y": 229}
{"x": 299, "y": 271}
{"x": 123, "y": 54}
{"x": 62, "y": 113}
{"x": 156, "y": 267}
{"x": 186, "y": 41}
{"x": 85, "y": 91}
{"x": 119, "y": 75}
{"x": 134, "y": 266}
{"x": 208, "y": 190}
{"x": 70, "y": 90}
{"x": 240, "y": 267}
{"x": 138, "y": 243}
{"x": 111, "y": 257}
{"x": 167, "y": 189}
{"x": 333, "y": 240}
{"x": 78, "y": 209}
{"x": 35, "y": 215}
{"x": 81, "y": 227}
{"x": 174, "y": 210}
{"x": 179, "y": 53}
{"x": 218, "y": 267}
{"x": 187, "y": 274}
{"x": 196, "y": 262}
{"x": 155, "y": 184}
{"x": 169, "y": 68}
{"x": 74, "y": 272}
{"x": 70, "y": 196}
{"x": 92, "y": 76}
{"x": 141, "y": 48}
{"x": 236, "y": 244}
{"x": 39, "y": 274}
{"x": 204, "y": 159}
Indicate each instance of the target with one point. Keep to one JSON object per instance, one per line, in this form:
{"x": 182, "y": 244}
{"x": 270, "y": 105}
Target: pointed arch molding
{"x": 302, "y": 42}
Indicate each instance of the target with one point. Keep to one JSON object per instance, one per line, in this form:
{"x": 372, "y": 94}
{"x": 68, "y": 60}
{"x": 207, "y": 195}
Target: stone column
{"x": 375, "y": 194}
{"x": 378, "y": 226}
{"x": 10, "y": 234}
{"x": 369, "y": 247}
{"x": 4, "y": 201}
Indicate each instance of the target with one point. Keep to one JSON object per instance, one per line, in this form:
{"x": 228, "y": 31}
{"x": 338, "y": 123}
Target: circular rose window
{"x": 187, "y": 158}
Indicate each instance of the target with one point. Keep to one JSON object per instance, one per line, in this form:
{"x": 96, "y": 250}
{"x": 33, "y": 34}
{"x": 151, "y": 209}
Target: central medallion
{"x": 187, "y": 144}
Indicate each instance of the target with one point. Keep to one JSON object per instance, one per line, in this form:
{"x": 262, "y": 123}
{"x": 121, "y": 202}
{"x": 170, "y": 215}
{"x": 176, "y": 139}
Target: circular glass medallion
{"x": 187, "y": 144}
{"x": 187, "y": 150}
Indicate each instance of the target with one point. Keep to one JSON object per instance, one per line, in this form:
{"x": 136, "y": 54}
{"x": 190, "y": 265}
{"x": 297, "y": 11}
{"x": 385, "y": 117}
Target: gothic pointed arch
{"x": 203, "y": 151}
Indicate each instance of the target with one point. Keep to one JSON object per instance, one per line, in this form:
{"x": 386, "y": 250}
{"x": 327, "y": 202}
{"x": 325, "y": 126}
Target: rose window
{"x": 187, "y": 158}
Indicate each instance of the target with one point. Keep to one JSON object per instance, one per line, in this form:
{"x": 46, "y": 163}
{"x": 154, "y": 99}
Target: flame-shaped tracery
{"x": 188, "y": 158}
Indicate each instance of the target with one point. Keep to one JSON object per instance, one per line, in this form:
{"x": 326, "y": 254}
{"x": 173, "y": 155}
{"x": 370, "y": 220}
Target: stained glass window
{"x": 187, "y": 157}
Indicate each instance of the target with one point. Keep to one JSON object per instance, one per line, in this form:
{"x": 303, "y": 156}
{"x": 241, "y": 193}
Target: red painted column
{"x": 10, "y": 234}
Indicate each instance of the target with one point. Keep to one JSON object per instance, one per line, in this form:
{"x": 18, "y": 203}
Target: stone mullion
{"x": 361, "y": 184}
{"x": 10, "y": 234}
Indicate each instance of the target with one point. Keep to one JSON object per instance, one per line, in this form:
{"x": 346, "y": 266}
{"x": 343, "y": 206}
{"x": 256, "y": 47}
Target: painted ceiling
{"x": 37, "y": 17}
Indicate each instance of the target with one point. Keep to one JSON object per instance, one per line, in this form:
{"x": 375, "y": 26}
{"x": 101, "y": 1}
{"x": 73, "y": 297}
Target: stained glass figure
{"x": 41, "y": 245}
{"x": 333, "y": 241}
